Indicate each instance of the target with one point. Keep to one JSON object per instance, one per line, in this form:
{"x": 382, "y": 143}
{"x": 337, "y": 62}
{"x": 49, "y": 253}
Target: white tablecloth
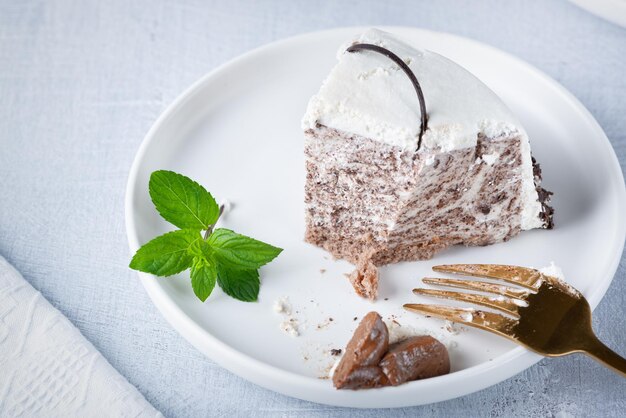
{"x": 81, "y": 82}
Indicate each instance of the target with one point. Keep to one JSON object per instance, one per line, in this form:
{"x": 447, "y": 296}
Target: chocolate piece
{"x": 365, "y": 349}
{"x": 415, "y": 358}
{"x": 416, "y": 85}
{"x": 366, "y": 377}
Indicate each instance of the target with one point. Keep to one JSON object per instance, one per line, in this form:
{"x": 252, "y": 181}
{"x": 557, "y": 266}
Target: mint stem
{"x": 210, "y": 230}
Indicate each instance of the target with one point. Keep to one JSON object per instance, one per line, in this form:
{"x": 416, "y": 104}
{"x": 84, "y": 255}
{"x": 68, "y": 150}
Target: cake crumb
{"x": 290, "y": 327}
{"x": 324, "y": 324}
{"x": 322, "y": 271}
{"x": 451, "y": 328}
{"x": 364, "y": 278}
{"x": 335, "y": 351}
{"x": 355, "y": 318}
{"x": 282, "y": 305}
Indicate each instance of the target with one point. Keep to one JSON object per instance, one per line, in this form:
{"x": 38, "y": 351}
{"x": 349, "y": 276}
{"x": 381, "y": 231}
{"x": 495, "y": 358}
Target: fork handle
{"x": 597, "y": 350}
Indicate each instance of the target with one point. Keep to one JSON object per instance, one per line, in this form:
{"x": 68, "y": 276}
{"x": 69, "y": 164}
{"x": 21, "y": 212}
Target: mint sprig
{"x": 218, "y": 256}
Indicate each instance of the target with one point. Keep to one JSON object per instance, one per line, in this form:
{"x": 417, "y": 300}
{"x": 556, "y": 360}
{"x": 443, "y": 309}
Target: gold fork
{"x": 544, "y": 313}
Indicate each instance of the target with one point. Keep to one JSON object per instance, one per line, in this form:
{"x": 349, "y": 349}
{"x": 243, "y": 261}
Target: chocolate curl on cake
{"x": 408, "y": 72}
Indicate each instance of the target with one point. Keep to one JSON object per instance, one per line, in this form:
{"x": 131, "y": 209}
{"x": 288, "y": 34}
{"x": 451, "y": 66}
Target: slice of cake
{"x": 385, "y": 186}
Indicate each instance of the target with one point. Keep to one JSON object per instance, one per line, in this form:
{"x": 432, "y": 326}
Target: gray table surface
{"x": 81, "y": 82}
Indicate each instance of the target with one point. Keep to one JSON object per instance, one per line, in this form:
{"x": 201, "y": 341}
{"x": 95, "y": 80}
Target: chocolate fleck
{"x": 484, "y": 209}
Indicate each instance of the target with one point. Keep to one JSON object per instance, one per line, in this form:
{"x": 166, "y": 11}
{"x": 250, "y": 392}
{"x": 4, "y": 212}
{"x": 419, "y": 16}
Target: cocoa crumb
{"x": 364, "y": 278}
{"x": 335, "y": 351}
{"x": 355, "y": 318}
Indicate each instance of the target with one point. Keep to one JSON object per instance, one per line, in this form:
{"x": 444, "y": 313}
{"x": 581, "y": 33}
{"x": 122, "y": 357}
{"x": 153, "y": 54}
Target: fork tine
{"x": 488, "y": 321}
{"x": 521, "y": 276}
{"x": 479, "y": 286}
{"x": 505, "y": 305}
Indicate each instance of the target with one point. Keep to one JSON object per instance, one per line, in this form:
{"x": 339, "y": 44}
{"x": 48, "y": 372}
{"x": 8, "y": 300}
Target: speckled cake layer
{"x": 364, "y": 197}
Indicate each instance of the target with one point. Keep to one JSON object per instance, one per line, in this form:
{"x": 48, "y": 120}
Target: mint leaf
{"x": 166, "y": 254}
{"x": 240, "y": 252}
{"x": 240, "y": 284}
{"x": 203, "y": 277}
{"x": 181, "y": 201}
{"x": 200, "y": 249}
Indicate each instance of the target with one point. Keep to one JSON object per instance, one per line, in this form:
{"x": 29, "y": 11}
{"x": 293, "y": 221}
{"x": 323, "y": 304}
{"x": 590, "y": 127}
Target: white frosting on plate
{"x": 553, "y": 270}
{"x": 368, "y": 94}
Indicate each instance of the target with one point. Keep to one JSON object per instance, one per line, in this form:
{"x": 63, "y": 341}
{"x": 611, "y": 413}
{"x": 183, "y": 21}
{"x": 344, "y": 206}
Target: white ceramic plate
{"x": 237, "y": 131}
{"x": 611, "y": 10}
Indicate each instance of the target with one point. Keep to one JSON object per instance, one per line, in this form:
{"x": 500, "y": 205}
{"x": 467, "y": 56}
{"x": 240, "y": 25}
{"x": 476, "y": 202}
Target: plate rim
{"x": 258, "y": 372}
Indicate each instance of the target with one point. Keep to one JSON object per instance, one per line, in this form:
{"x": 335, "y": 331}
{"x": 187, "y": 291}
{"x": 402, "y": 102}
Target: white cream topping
{"x": 531, "y": 207}
{"x": 553, "y": 270}
{"x": 489, "y": 159}
{"x": 367, "y": 94}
